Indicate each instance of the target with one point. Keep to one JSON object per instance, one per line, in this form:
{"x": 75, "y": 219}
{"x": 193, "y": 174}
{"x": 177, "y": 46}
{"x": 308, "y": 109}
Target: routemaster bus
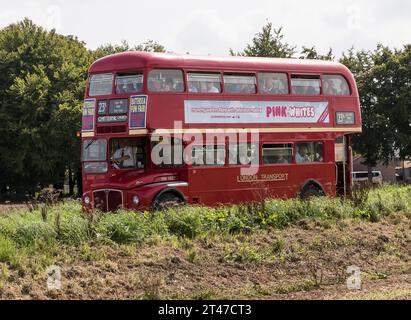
{"x": 164, "y": 129}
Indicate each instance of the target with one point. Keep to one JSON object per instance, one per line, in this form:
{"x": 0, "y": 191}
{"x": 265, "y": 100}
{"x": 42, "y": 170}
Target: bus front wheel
{"x": 166, "y": 200}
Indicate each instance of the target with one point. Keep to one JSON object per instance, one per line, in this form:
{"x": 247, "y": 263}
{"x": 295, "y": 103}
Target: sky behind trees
{"x": 213, "y": 26}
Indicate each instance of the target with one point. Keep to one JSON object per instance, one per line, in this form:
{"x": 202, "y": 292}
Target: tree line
{"x": 42, "y": 82}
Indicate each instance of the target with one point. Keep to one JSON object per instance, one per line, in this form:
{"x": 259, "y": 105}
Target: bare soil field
{"x": 307, "y": 261}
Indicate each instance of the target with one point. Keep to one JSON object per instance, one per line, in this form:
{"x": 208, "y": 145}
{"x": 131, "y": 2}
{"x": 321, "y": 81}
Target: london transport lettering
{"x": 138, "y": 112}
{"x": 263, "y": 177}
{"x": 202, "y": 111}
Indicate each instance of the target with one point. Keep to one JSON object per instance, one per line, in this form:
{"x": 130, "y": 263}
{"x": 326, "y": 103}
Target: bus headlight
{"x": 136, "y": 200}
{"x": 87, "y": 200}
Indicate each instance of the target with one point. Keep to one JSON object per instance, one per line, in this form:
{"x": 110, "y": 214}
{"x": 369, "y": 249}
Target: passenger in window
{"x": 329, "y": 87}
{"x": 131, "y": 88}
{"x": 311, "y": 90}
{"x": 169, "y": 85}
{"x": 298, "y": 90}
{"x": 267, "y": 159}
{"x": 269, "y": 85}
{"x": 302, "y": 154}
{"x": 274, "y": 85}
{"x": 210, "y": 88}
{"x": 193, "y": 87}
{"x": 179, "y": 87}
{"x": 282, "y": 159}
{"x": 157, "y": 85}
{"x": 123, "y": 87}
{"x": 247, "y": 88}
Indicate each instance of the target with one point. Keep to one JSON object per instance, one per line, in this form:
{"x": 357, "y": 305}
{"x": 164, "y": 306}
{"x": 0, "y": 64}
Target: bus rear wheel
{"x": 311, "y": 191}
{"x": 167, "y": 200}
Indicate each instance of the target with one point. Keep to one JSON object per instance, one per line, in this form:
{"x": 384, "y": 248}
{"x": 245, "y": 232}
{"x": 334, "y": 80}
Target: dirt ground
{"x": 308, "y": 261}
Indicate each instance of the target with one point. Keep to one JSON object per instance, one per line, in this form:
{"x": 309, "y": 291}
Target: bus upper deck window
{"x": 335, "y": 85}
{"x": 273, "y": 83}
{"x": 166, "y": 80}
{"x": 204, "y": 83}
{"x": 242, "y": 84}
{"x": 101, "y": 84}
{"x": 129, "y": 83}
{"x": 306, "y": 85}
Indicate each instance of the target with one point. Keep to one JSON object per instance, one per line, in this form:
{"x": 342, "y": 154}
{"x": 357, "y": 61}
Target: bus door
{"x": 343, "y": 165}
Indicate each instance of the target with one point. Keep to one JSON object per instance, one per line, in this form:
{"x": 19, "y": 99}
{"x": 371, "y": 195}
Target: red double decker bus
{"x": 160, "y": 129}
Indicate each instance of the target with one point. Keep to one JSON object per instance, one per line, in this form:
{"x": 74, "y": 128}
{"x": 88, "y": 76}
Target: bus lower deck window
{"x": 167, "y": 152}
{"x": 243, "y": 153}
{"x": 309, "y": 152}
{"x": 208, "y": 155}
{"x": 127, "y": 153}
{"x": 277, "y": 153}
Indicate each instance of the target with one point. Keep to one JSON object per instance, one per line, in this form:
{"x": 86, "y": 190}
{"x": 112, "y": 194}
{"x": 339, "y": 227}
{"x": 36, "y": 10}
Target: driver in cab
{"x": 123, "y": 156}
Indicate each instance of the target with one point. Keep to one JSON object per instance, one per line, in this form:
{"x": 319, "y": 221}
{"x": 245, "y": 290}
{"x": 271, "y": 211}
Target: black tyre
{"x": 311, "y": 191}
{"x": 166, "y": 200}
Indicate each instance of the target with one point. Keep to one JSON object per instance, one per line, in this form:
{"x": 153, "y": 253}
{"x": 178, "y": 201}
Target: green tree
{"x": 383, "y": 80}
{"x": 268, "y": 43}
{"x": 400, "y": 100}
{"x": 311, "y": 53}
{"x": 41, "y": 90}
{"x": 147, "y": 46}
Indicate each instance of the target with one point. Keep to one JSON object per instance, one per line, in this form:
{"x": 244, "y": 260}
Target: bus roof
{"x": 132, "y": 60}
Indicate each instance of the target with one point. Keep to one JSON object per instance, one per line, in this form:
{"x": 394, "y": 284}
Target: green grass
{"x": 23, "y": 232}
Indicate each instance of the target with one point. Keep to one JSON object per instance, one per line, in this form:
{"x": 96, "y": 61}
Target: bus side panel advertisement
{"x": 88, "y": 115}
{"x": 202, "y": 111}
{"x": 138, "y": 112}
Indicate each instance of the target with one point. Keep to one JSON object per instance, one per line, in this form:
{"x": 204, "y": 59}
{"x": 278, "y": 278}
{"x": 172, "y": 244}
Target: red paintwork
{"x": 214, "y": 185}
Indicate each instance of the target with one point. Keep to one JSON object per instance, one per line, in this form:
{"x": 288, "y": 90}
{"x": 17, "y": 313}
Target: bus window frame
{"x": 147, "y": 165}
{"x": 205, "y": 71}
{"x": 350, "y": 89}
{"x": 205, "y": 166}
{"x": 239, "y": 165}
{"x": 293, "y": 161}
{"x": 130, "y": 73}
{"x": 166, "y": 166}
{"x": 113, "y": 73}
{"x": 319, "y": 75}
{"x": 239, "y": 73}
{"x": 149, "y": 92}
{"x": 287, "y": 74}
{"x": 324, "y": 142}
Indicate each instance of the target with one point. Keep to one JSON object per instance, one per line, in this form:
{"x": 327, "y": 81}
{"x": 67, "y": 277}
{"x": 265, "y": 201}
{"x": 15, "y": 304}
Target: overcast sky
{"x": 215, "y": 26}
